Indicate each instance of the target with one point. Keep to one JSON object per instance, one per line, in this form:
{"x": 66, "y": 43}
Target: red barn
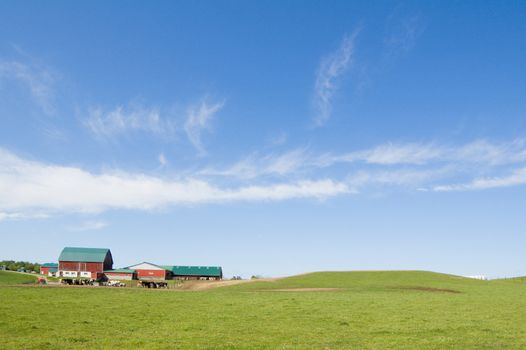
{"x": 84, "y": 262}
{"x": 48, "y": 269}
{"x": 149, "y": 271}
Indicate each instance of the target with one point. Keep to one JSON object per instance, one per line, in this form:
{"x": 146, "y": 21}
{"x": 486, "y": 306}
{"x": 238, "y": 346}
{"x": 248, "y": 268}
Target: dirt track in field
{"x": 304, "y": 290}
{"x": 206, "y": 285}
{"x": 433, "y": 290}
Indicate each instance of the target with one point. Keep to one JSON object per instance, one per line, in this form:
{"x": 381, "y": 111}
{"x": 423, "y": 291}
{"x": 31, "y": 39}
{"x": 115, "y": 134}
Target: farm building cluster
{"x": 97, "y": 264}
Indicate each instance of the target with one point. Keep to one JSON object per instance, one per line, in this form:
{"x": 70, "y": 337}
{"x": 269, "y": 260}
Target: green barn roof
{"x": 214, "y": 271}
{"x": 49, "y": 265}
{"x": 84, "y": 254}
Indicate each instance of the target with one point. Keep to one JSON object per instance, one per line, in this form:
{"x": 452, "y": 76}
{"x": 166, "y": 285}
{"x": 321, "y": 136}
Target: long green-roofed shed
{"x": 85, "y": 254}
{"x": 211, "y": 271}
{"x": 49, "y": 265}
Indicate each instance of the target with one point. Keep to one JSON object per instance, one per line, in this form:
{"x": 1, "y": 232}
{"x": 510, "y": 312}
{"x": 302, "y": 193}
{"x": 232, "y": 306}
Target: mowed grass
{"x": 368, "y": 310}
{"x": 10, "y": 277}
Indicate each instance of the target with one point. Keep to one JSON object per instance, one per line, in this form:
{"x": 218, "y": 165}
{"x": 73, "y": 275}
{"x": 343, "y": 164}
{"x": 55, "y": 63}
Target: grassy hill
{"x": 366, "y": 281}
{"x": 367, "y": 310}
{"x": 11, "y": 277}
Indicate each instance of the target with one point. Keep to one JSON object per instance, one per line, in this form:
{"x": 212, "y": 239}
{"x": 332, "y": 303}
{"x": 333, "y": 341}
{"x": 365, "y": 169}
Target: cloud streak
{"x": 122, "y": 121}
{"x": 331, "y": 68}
{"x": 255, "y": 166}
{"x": 88, "y": 226}
{"x": 5, "y": 216}
{"x": 413, "y": 165}
{"x": 517, "y": 177}
{"x": 39, "y": 81}
{"x": 28, "y": 186}
{"x": 107, "y": 124}
{"x": 479, "y": 151}
{"x": 300, "y": 161}
{"x": 199, "y": 119}
{"x": 34, "y": 189}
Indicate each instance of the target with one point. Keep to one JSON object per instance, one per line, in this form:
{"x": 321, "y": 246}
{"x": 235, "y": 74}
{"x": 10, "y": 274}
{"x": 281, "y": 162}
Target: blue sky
{"x": 269, "y": 138}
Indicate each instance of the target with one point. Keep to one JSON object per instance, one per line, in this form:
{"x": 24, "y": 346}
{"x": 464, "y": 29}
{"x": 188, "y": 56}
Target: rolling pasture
{"x": 326, "y": 310}
{"x": 13, "y": 278}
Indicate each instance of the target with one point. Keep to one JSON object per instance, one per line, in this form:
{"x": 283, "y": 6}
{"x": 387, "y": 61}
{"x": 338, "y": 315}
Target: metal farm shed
{"x": 121, "y": 274}
{"x": 195, "y": 272}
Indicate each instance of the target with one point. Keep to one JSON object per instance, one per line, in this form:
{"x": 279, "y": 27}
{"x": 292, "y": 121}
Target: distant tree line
{"x": 19, "y": 265}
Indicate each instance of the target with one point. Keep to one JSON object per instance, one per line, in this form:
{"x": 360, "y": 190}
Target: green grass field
{"x": 368, "y": 310}
{"x": 10, "y": 278}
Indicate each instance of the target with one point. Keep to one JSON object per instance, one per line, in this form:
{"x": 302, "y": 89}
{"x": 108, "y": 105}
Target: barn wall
{"x": 108, "y": 262}
{"x": 94, "y": 268}
{"x": 119, "y": 276}
{"x": 156, "y": 274}
{"x": 81, "y": 266}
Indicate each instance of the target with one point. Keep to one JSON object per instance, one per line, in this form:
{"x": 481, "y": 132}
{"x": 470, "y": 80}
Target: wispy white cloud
{"x": 38, "y": 80}
{"x": 109, "y": 124}
{"x": 517, "y": 177}
{"x": 254, "y": 166}
{"x": 88, "y": 226}
{"x": 199, "y": 118}
{"x": 5, "y": 216}
{"x": 300, "y": 160}
{"x": 479, "y": 151}
{"x": 162, "y": 159}
{"x": 28, "y": 186}
{"x": 405, "y": 177}
{"x": 331, "y": 68}
{"x": 408, "y": 153}
{"x": 120, "y": 120}
{"x": 482, "y": 151}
